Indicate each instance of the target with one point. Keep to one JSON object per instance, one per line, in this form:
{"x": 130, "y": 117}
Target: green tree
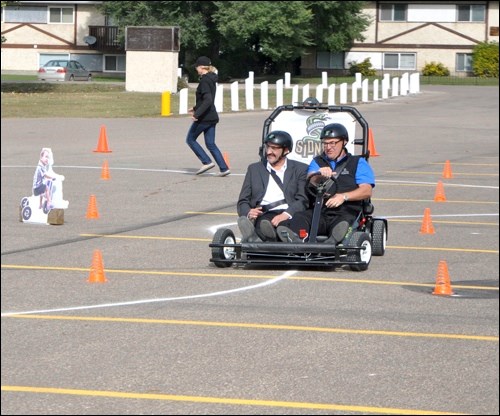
{"x": 338, "y": 24}
{"x": 263, "y": 36}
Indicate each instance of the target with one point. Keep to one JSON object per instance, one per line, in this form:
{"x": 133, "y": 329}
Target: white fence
{"x": 325, "y": 94}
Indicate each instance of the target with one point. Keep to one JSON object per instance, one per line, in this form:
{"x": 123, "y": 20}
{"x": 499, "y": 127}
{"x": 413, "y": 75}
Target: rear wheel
{"x": 223, "y": 236}
{"x": 46, "y": 207}
{"x": 379, "y": 237}
{"x": 360, "y": 239}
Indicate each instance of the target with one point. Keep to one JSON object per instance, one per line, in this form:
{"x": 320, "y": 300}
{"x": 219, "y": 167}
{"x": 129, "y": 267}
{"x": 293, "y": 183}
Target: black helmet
{"x": 280, "y": 138}
{"x": 310, "y": 102}
{"x": 334, "y": 131}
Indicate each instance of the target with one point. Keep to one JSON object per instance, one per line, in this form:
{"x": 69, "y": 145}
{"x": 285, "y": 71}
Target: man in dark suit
{"x": 274, "y": 189}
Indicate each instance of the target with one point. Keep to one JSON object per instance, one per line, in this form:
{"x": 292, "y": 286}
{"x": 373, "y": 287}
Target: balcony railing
{"x": 106, "y": 39}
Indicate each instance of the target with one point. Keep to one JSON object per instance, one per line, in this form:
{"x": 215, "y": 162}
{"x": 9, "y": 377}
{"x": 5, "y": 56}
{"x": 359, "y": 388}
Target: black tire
{"x": 379, "y": 237}
{"x": 25, "y": 202}
{"x": 360, "y": 239}
{"x": 26, "y": 213}
{"x": 223, "y": 236}
{"x": 46, "y": 208}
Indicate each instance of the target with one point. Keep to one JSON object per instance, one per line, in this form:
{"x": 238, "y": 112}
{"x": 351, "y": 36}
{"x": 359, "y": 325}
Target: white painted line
{"x": 145, "y": 301}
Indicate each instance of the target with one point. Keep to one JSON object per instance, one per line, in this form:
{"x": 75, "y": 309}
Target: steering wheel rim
{"x": 317, "y": 184}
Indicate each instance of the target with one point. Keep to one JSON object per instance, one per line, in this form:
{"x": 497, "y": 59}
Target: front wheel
{"x": 223, "y": 236}
{"x": 379, "y": 237}
{"x": 362, "y": 256}
{"x": 26, "y": 213}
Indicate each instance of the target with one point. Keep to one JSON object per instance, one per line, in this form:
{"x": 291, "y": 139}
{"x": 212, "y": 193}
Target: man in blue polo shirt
{"x": 355, "y": 181}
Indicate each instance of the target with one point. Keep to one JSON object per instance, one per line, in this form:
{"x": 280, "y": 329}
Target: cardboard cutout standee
{"x": 47, "y": 193}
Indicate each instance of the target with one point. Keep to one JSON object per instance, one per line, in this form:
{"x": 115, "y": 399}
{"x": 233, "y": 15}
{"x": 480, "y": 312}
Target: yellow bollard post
{"x": 165, "y": 104}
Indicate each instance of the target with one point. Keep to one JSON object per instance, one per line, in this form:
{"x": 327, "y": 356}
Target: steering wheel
{"x": 317, "y": 184}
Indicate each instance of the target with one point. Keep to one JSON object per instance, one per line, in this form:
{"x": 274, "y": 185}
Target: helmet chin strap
{"x": 283, "y": 156}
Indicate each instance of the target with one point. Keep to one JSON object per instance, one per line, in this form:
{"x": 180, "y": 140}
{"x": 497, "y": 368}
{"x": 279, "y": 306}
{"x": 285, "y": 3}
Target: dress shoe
{"x": 287, "y": 236}
{"x": 338, "y": 233}
{"x": 268, "y": 231}
{"x": 248, "y": 234}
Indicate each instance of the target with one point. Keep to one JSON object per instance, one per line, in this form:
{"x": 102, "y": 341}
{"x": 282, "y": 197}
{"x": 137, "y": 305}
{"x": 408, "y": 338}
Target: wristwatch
{"x": 346, "y": 198}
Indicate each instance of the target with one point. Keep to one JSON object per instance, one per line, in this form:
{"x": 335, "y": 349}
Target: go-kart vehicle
{"x": 367, "y": 235}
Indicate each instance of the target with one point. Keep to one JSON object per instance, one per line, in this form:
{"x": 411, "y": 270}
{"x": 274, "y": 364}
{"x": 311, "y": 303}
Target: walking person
{"x": 205, "y": 119}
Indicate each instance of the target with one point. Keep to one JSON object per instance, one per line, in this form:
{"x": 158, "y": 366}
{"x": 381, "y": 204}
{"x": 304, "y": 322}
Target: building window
{"x": 60, "y": 15}
{"x": 393, "y": 12}
{"x": 24, "y": 14}
{"x": 464, "y": 62}
{"x": 114, "y": 63}
{"x": 471, "y": 13}
{"x": 330, "y": 60}
{"x": 403, "y": 61}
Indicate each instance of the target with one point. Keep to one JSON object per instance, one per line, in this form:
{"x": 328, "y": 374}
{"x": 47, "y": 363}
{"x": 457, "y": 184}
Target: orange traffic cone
{"x": 443, "y": 284}
{"x": 97, "y": 269}
{"x": 226, "y": 158}
{"x": 447, "y": 170}
{"x": 102, "y": 144}
{"x": 439, "y": 196}
{"x": 427, "y": 227}
{"x": 105, "y": 170}
{"x": 92, "y": 208}
{"x": 371, "y": 144}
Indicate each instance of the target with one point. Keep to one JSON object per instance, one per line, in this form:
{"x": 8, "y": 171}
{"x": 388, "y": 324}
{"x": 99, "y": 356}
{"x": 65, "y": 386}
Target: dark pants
{"x": 269, "y": 215}
{"x": 40, "y": 189}
{"x": 328, "y": 219}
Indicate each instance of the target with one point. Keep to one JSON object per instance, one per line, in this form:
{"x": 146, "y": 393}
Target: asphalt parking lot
{"x": 170, "y": 333}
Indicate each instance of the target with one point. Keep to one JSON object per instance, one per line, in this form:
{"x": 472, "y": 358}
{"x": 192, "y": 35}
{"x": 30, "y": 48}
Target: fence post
{"x": 264, "y": 95}
{"x": 375, "y": 90}
{"x": 331, "y": 94}
{"x": 183, "y": 101}
{"x": 279, "y": 92}
{"x": 235, "y": 105}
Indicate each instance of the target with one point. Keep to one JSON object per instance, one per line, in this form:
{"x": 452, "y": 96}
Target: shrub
{"x": 365, "y": 68}
{"x": 181, "y": 83}
{"x": 485, "y": 60}
{"x": 435, "y": 69}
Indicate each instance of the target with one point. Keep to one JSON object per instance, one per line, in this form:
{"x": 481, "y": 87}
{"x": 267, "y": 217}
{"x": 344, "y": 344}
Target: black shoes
{"x": 338, "y": 233}
{"x": 287, "y": 236}
{"x": 248, "y": 234}
{"x": 268, "y": 231}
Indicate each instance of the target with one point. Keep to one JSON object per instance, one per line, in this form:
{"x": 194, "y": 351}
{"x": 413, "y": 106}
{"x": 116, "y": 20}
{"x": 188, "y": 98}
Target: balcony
{"x": 106, "y": 39}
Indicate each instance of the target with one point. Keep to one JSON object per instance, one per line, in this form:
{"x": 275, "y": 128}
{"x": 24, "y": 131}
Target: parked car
{"x": 63, "y": 70}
